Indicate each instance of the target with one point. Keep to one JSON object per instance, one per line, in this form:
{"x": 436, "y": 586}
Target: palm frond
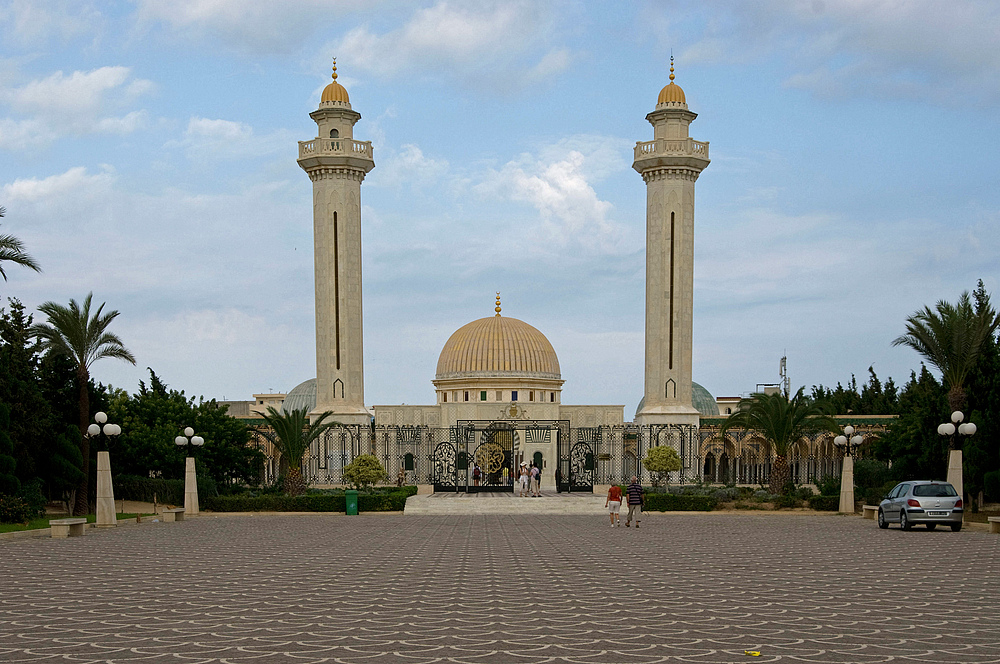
{"x": 292, "y": 434}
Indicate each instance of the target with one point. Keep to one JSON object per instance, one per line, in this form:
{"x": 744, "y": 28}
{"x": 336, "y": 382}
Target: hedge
{"x": 367, "y": 502}
{"x": 665, "y": 502}
{"x": 825, "y": 503}
{"x": 145, "y": 489}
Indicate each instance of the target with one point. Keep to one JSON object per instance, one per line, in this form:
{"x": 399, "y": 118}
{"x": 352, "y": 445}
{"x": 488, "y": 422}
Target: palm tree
{"x": 12, "y": 251}
{"x": 73, "y": 332}
{"x": 950, "y": 338}
{"x": 782, "y": 422}
{"x": 292, "y": 434}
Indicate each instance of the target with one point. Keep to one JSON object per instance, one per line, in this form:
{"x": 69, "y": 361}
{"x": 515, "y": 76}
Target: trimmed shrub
{"x": 375, "y": 501}
{"x": 804, "y": 493}
{"x": 874, "y": 496}
{"x": 786, "y": 500}
{"x": 14, "y": 509}
{"x": 872, "y": 474}
{"x": 991, "y": 485}
{"x": 726, "y": 494}
{"x": 665, "y": 502}
{"x": 829, "y": 485}
{"x": 31, "y": 494}
{"x": 825, "y": 503}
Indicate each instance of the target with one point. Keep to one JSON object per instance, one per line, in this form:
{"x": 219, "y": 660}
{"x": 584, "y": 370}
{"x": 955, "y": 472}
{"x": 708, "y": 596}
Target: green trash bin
{"x": 352, "y": 502}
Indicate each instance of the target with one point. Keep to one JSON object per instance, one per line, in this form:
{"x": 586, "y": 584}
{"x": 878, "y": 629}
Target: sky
{"x": 147, "y": 155}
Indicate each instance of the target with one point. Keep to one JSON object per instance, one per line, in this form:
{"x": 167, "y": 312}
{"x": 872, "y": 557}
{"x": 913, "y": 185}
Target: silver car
{"x": 921, "y": 501}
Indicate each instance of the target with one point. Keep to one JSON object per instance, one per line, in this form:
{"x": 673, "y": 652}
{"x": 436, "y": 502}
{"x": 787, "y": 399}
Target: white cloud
{"x": 883, "y": 49}
{"x": 76, "y": 104}
{"x": 261, "y": 26}
{"x": 410, "y": 166}
{"x": 75, "y": 183}
{"x": 36, "y": 22}
{"x": 498, "y": 40}
{"x": 559, "y": 185}
{"x": 211, "y": 141}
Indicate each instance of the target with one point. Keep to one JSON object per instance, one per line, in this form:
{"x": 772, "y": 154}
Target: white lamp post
{"x": 104, "y": 430}
{"x": 950, "y": 429}
{"x": 848, "y": 443}
{"x": 190, "y": 476}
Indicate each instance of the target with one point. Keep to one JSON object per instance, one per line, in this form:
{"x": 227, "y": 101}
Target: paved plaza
{"x": 502, "y": 589}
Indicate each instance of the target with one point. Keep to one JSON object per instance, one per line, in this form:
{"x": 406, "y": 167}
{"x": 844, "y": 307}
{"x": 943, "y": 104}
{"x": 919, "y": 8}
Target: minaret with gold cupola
{"x": 670, "y": 165}
{"x": 337, "y": 165}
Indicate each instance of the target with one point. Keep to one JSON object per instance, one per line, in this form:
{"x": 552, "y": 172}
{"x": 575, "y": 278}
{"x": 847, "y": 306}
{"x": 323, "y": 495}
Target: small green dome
{"x": 701, "y": 399}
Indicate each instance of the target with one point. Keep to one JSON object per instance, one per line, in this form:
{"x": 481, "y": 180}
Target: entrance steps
{"x": 505, "y": 503}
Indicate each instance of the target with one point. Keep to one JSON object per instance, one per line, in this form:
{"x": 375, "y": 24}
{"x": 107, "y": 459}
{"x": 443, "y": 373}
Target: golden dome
{"x": 498, "y": 346}
{"x": 671, "y": 93}
{"x": 335, "y": 91}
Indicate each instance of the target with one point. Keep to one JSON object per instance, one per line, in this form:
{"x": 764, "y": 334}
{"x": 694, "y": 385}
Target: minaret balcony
{"x": 671, "y": 152}
{"x": 336, "y": 152}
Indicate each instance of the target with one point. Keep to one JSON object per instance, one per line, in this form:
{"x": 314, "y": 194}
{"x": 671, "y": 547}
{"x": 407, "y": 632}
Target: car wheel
{"x": 882, "y": 523}
{"x": 931, "y": 526}
{"x": 904, "y": 523}
{"x": 955, "y": 527}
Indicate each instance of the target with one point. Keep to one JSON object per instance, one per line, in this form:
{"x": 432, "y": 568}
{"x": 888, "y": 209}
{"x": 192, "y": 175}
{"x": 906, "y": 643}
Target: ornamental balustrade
{"x": 587, "y": 456}
{"x": 679, "y": 146}
{"x": 335, "y": 146}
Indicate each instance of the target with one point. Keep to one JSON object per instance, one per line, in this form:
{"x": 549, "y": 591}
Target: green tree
{"x": 12, "y": 251}
{"x": 912, "y": 444}
{"x": 950, "y": 337}
{"x": 660, "y": 461}
{"x": 84, "y": 339}
{"x": 982, "y": 451}
{"x": 9, "y": 484}
{"x": 364, "y": 471}
{"x": 155, "y": 415}
{"x": 782, "y": 422}
{"x": 292, "y": 434}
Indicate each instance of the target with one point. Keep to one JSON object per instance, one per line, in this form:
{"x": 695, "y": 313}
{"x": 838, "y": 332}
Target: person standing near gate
{"x": 536, "y": 475}
{"x": 614, "y": 504}
{"x": 523, "y": 480}
{"x": 635, "y": 501}
{"x": 477, "y": 474}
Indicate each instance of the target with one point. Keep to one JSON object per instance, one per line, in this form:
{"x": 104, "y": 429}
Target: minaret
{"x": 337, "y": 164}
{"x": 669, "y": 164}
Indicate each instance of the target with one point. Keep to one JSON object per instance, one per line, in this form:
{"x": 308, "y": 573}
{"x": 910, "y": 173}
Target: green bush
{"x": 991, "y": 484}
{"x": 31, "y": 493}
{"x": 829, "y": 485}
{"x": 874, "y": 496}
{"x": 665, "y": 502}
{"x": 144, "y": 489}
{"x": 727, "y": 494}
{"x": 825, "y": 503}
{"x": 786, "y": 500}
{"x": 872, "y": 474}
{"x": 375, "y": 501}
{"x": 14, "y": 509}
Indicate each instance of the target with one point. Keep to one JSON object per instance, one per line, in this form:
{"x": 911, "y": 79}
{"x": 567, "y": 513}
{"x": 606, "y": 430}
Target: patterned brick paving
{"x": 502, "y": 589}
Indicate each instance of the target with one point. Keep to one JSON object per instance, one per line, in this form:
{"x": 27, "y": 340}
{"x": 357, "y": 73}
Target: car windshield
{"x": 934, "y": 490}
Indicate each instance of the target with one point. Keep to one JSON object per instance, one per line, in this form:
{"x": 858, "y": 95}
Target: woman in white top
{"x": 523, "y": 479}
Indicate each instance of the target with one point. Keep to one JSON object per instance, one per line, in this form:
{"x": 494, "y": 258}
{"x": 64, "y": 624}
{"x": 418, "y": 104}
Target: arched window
{"x": 334, "y": 133}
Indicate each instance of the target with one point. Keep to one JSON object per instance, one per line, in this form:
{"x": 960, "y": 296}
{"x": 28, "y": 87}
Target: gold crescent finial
{"x": 498, "y": 303}
{"x": 671, "y": 68}
{"x": 335, "y": 69}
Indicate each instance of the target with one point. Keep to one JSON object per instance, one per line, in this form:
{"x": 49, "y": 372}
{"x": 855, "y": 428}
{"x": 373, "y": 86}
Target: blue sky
{"x": 147, "y": 153}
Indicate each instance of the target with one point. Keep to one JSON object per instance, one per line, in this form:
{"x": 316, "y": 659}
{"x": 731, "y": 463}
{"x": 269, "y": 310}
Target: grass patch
{"x": 43, "y": 522}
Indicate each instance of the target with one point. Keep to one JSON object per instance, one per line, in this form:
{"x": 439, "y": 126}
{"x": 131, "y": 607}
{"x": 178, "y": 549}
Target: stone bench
{"x": 994, "y": 524}
{"x": 869, "y": 511}
{"x": 68, "y": 527}
{"x": 176, "y": 514}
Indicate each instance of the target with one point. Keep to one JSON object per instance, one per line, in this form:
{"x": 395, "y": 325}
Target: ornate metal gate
{"x": 577, "y": 463}
{"x": 493, "y": 453}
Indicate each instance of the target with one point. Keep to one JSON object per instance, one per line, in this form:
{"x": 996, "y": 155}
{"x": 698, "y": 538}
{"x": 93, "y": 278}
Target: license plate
{"x": 937, "y": 514}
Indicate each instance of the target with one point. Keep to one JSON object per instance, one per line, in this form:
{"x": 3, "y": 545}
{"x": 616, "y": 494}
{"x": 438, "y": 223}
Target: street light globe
{"x": 967, "y": 429}
{"x": 180, "y": 440}
{"x": 197, "y": 441}
{"x": 840, "y": 441}
{"x": 100, "y": 417}
{"x": 857, "y": 440}
{"x": 109, "y": 429}
{"x": 848, "y": 430}
{"x": 957, "y": 416}
{"x": 188, "y": 431}
{"x": 93, "y": 429}
{"x": 118, "y": 430}
{"x": 946, "y": 429}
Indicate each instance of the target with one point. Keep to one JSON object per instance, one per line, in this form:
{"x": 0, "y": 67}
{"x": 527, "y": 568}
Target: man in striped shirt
{"x": 634, "y": 492}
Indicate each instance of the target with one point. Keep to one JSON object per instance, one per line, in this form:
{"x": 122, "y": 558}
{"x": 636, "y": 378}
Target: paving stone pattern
{"x": 502, "y": 589}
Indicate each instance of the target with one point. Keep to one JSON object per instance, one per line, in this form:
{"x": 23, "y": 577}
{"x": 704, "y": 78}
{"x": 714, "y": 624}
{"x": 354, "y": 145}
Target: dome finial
{"x": 335, "y": 69}
{"x": 498, "y": 303}
{"x": 671, "y": 66}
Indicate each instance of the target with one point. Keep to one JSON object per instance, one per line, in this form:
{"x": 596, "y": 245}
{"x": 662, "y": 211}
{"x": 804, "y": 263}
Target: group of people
{"x": 529, "y": 480}
{"x": 633, "y": 495}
